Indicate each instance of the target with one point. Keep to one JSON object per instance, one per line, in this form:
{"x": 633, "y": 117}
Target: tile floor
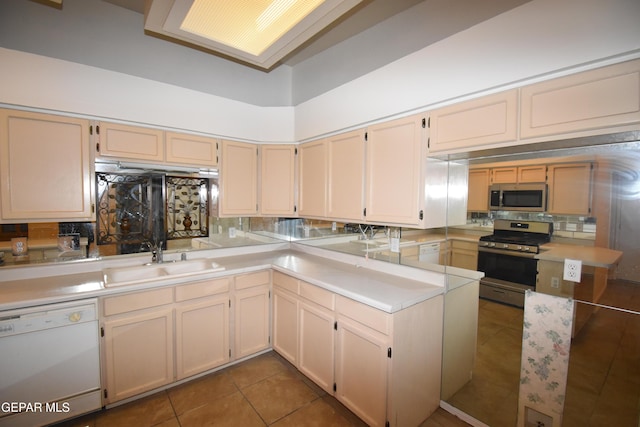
{"x": 263, "y": 391}
{"x": 603, "y": 386}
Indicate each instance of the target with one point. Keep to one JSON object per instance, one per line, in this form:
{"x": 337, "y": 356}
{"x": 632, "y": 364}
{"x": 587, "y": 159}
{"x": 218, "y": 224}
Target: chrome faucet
{"x": 156, "y": 251}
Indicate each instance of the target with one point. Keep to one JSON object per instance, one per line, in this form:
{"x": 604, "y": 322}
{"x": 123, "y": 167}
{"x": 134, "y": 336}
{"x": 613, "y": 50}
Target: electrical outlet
{"x": 555, "y": 282}
{"x": 572, "y": 270}
{"x": 534, "y": 418}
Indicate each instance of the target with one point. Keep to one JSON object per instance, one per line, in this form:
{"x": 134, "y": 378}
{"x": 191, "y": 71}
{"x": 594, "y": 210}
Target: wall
{"x": 97, "y": 33}
{"x": 52, "y": 84}
{"x": 537, "y": 39}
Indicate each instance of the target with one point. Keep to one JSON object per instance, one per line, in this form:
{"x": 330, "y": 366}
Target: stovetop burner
{"x": 524, "y": 236}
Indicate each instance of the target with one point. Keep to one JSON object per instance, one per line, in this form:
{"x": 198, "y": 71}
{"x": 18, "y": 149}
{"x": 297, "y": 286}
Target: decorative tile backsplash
{"x": 566, "y": 226}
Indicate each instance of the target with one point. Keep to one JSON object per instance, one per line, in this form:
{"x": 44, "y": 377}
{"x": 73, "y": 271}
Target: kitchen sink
{"x": 117, "y": 276}
{"x": 192, "y": 266}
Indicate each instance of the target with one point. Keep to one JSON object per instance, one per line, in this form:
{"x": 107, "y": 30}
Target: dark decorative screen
{"x": 124, "y": 208}
{"x": 187, "y": 207}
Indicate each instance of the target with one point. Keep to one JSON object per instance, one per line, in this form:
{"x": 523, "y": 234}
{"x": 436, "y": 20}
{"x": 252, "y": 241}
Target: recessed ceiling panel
{"x": 259, "y": 32}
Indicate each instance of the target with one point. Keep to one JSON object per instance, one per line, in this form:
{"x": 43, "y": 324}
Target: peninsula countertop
{"x": 589, "y": 255}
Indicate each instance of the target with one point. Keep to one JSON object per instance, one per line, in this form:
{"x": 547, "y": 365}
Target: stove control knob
{"x": 491, "y": 244}
{"x": 526, "y": 249}
{"x": 519, "y": 248}
{"x": 505, "y": 246}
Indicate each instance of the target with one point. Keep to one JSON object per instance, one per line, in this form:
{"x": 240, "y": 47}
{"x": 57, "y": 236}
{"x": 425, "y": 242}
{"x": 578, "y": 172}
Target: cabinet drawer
{"x": 202, "y": 289}
{"x": 287, "y": 282}
{"x": 368, "y": 316}
{"x": 318, "y": 295}
{"x": 252, "y": 279}
{"x": 137, "y": 301}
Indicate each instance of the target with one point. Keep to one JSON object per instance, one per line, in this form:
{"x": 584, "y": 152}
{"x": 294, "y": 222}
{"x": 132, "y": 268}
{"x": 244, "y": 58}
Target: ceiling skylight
{"x": 260, "y": 32}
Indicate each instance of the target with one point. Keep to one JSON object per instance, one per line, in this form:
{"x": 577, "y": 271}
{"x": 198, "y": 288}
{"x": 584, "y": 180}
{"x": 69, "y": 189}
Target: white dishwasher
{"x": 430, "y": 253}
{"x": 49, "y": 363}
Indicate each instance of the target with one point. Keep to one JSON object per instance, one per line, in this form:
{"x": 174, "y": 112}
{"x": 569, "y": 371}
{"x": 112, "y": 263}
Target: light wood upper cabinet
{"x": 570, "y": 188}
{"x": 130, "y": 142}
{"x": 346, "y": 176}
{"x": 238, "y": 179}
{"x": 479, "y": 181}
{"x": 482, "y": 121}
{"x": 519, "y": 174}
{"x": 312, "y": 157}
{"x": 394, "y": 158}
{"x": 600, "y": 98}
{"x": 191, "y": 150}
{"x": 46, "y": 168}
{"x": 534, "y": 173}
{"x": 277, "y": 180}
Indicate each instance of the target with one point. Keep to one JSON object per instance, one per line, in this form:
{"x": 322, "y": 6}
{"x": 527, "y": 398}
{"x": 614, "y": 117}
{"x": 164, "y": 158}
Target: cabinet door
{"x": 595, "y": 99}
{"x": 504, "y": 175}
{"x": 202, "y": 335}
{"x": 464, "y": 255}
{"x": 316, "y": 349}
{"x": 313, "y": 179}
{"x": 138, "y": 350}
{"x": 251, "y": 320}
{"x": 569, "y": 189}
{"x": 478, "y": 190}
{"x": 346, "y": 176}
{"x": 277, "y": 180}
{"x": 534, "y": 173}
{"x": 285, "y": 324}
{"x": 487, "y": 120}
{"x": 393, "y": 164}
{"x": 191, "y": 150}
{"x": 45, "y": 168}
{"x": 361, "y": 371}
{"x": 238, "y": 179}
{"x": 130, "y": 142}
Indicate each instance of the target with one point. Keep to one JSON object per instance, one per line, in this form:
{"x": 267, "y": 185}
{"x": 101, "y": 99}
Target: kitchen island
{"x": 597, "y": 263}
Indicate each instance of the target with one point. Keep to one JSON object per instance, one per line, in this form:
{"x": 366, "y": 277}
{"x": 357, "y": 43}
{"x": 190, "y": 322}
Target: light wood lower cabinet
{"x": 251, "y": 305}
{"x": 317, "y": 341}
{"x": 380, "y": 365}
{"x": 138, "y": 343}
{"x": 285, "y": 323}
{"x": 202, "y": 326}
{"x": 144, "y": 332}
{"x": 464, "y": 254}
{"x": 361, "y": 370}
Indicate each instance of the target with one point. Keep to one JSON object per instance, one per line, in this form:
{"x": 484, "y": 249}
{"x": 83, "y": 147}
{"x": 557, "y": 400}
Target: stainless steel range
{"x": 507, "y": 257}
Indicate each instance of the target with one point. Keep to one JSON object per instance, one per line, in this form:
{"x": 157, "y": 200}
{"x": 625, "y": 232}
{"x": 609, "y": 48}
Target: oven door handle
{"x": 507, "y": 253}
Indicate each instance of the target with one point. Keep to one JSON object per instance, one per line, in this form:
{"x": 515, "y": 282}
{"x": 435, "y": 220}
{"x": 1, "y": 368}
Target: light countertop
{"x": 589, "y": 255}
{"x": 369, "y": 283}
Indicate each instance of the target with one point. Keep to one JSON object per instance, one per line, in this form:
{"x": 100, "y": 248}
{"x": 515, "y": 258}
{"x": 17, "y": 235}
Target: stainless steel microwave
{"x": 518, "y": 197}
